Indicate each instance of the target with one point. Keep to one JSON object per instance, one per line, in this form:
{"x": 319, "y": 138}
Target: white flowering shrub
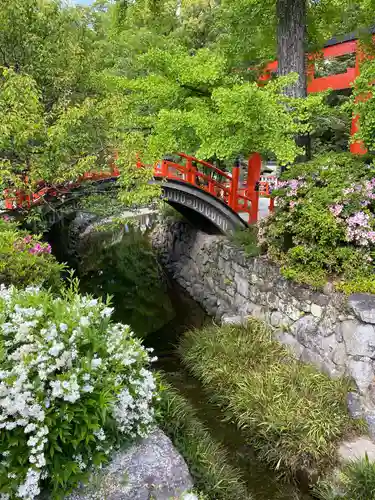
{"x": 73, "y": 385}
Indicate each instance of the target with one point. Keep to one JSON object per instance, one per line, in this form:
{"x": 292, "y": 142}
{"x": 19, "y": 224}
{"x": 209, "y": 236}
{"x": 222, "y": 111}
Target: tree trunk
{"x": 291, "y": 36}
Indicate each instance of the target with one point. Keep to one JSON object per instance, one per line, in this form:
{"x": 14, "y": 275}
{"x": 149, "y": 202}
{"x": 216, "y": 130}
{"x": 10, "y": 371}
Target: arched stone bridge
{"x": 201, "y": 209}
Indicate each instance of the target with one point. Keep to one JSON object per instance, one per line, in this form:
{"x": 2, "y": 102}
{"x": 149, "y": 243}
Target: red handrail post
{"x": 272, "y": 205}
{"x": 8, "y": 199}
{"x": 190, "y": 177}
{"x": 234, "y": 188}
{"x": 253, "y": 171}
{"x": 253, "y": 176}
{"x": 164, "y": 168}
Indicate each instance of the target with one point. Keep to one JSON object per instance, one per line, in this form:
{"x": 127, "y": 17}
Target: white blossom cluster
{"x": 61, "y": 350}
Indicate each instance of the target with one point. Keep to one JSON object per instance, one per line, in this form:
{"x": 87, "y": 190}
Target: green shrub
{"x": 206, "y": 458}
{"x": 324, "y": 223}
{"x": 247, "y": 240}
{"x": 365, "y": 108}
{"x": 24, "y": 260}
{"x": 73, "y": 386}
{"x": 289, "y": 412}
{"x": 356, "y": 481}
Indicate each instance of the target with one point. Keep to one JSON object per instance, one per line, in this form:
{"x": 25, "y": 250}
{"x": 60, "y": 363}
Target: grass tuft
{"x": 207, "y": 459}
{"x": 291, "y": 414}
{"x": 356, "y": 481}
{"x": 247, "y": 240}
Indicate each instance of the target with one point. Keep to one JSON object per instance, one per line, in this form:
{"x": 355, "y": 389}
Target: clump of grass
{"x": 206, "y": 458}
{"x": 355, "y": 481}
{"x": 247, "y": 240}
{"x": 290, "y": 413}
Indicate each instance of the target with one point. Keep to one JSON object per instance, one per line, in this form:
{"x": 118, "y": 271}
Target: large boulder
{"x": 150, "y": 469}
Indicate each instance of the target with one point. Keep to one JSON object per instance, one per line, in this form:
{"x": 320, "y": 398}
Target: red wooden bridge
{"x": 242, "y": 197}
{"x": 220, "y": 194}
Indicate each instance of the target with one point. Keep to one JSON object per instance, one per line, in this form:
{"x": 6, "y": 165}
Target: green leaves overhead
{"x": 54, "y": 146}
{"x": 147, "y": 77}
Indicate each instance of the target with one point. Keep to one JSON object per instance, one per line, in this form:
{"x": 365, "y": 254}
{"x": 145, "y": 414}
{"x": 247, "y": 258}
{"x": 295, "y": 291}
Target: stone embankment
{"x": 334, "y": 332}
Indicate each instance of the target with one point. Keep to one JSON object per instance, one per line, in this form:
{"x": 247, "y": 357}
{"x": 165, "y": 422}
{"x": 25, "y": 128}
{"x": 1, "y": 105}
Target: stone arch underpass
{"x": 201, "y": 209}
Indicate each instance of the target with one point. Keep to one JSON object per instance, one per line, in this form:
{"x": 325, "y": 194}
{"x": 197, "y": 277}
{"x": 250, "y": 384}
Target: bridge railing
{"x": 243, "y": 199}
{"x": 218, "y": 183}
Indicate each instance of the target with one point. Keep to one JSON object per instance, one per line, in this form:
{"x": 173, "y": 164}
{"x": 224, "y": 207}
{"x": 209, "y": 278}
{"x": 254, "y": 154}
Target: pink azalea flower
{"x": 336, "y": 209}
{"x": 359, "y": 219}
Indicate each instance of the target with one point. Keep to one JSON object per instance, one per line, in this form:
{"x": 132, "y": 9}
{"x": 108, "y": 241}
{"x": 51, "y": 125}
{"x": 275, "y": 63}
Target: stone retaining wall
{"x": 335, "y": 333}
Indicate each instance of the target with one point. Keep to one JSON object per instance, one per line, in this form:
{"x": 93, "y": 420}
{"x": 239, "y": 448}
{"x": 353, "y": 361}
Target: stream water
{"x": 160, "y": 311}
{"x": 261, "y": 482}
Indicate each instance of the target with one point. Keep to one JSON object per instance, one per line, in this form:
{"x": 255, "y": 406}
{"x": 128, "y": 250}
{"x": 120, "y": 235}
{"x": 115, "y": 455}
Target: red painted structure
{"x": 216, "y": 182}
{"x": 340, "y": 81}
{"x": 220, "y": 184}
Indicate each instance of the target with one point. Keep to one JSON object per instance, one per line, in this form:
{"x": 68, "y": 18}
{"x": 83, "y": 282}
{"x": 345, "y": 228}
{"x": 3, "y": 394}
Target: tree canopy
{"x": 150, "y": 77}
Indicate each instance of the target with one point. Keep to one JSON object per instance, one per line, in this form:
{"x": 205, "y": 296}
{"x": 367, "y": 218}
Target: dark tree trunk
{"x": 291, "y": 37}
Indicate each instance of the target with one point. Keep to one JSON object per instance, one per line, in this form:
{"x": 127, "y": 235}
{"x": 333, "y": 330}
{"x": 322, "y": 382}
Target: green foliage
{"x": 323, "y": 224}
{"x": 332, "y": 128}
{"x": 51, "y": 44}
{"x": 364, "y": 104}
{"x": 177, "y": 92}
{"x": 356, "y": 481}
{"x": 35, "y": 144}
{"x": 206, "y": 458}
{"x": 247, "y": 240}
{"x": 53, "y": 127}
{"x": 140, "y": 77}
{"x": 59, "y": 113}
{"x": 24, "y": 260}
{"x": 193, "y": 104}
{"x": 128, "y": 271}
{"x": 289, "y": 412}
{"x": 74, "y": 386}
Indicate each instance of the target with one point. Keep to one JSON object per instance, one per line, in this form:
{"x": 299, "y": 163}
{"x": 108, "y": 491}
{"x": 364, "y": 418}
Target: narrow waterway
{"x": 262, "y": 482}
{"x": 160, "y": 311}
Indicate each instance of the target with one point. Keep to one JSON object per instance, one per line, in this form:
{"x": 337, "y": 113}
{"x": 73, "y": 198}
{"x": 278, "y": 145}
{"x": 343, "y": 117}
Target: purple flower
{"x": 292, "y": 204}
{"x": 282, "y": 184}
{"x": 336, "y": 209}
{"x": 294, "y": 183}
{"x": 357, "y": 235}
{"x": 359, "y": 219}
